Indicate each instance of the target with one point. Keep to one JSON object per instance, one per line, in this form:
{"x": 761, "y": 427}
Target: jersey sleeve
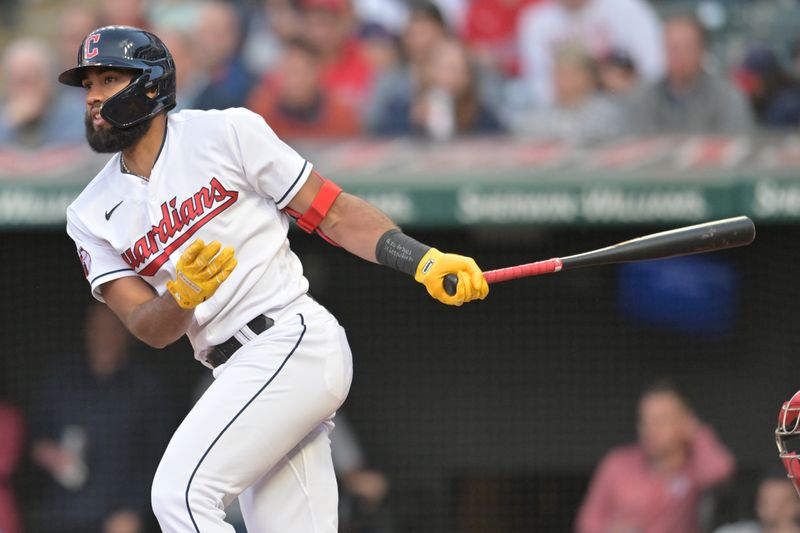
{"x": 100, "y": 262}
{"x": 271, "y": 166}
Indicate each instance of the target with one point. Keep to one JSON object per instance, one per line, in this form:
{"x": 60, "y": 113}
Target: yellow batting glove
{"x": 435, "y": 265}
{"x": 200, "y": 271}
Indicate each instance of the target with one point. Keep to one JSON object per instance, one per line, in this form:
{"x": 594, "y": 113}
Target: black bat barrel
{"x": 707, "y": 237}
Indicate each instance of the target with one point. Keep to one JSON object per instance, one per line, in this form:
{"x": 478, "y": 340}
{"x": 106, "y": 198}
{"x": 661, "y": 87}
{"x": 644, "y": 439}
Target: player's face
{"x": 100, "y": 85}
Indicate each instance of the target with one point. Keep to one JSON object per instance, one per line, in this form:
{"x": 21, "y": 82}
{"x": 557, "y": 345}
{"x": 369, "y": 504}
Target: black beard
{"x": 112, "y": 139}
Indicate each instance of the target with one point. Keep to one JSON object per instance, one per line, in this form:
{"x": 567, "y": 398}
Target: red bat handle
{"x": 521, "y": 271}
{"x": 504, "y": 274}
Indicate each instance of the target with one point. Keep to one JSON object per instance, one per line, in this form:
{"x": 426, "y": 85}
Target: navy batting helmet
{"x": 125, "y": 47}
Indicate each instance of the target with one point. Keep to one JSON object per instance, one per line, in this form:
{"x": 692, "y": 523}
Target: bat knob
{"x": 450, "y": 284}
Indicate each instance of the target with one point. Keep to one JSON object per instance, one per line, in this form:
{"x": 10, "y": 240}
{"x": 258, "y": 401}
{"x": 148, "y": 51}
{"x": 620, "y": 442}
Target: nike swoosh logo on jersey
{"x": 109, "y": 213}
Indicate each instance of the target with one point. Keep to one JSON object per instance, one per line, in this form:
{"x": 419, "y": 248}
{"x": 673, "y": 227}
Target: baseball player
{"x": 184, "y": 231}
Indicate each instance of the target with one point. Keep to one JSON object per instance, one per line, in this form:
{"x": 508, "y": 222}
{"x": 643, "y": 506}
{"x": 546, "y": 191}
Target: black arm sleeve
{"x": 397, "y": 250}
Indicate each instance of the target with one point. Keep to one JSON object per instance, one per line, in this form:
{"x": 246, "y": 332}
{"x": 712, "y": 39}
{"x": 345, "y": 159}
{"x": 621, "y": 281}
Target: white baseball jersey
{"x": 220, "y": 175}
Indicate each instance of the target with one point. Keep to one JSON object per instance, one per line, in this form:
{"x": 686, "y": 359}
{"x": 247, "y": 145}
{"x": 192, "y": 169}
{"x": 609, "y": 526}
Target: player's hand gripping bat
{"x": 708, "y": 237}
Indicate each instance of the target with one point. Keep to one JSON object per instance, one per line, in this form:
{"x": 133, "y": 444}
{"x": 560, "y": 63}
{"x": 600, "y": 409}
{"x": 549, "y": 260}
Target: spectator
{"x": 74, "y": 25}
{"x": 388, "y": 108}
{"x": 656, "y": 486}
{"x": 293, "y": 104}
{"x": 689, "y": 99}
{"x": 580, "y": 114}
{"x": 346, "y": 71}
{"x": 617, "y": 74}
{"x": 447, "y": 102}
{"x": 391, "y": 15}
{"x": 774, "y": 94}
{"x": 174, "y": 15}
{"x": 380, "y": 48}
{"x": 600, "y": 26}
{"x": 124, "y": 13}
{"x": 11, "y": 444}
{"x": 32, "y": 113}
{"x": 215, "y": 43}
{"x": 777, "y": 508}
{"x": 189, "y": 80}
{"x": 99, "y": 428}
{"x": 490, "y": 31}
{"x": 276, "y": 22}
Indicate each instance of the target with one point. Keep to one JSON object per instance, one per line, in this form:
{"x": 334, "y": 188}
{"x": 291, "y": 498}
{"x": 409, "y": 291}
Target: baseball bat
{"x": 707, "y": 237}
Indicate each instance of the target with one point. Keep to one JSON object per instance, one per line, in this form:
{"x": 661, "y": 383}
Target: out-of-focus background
{"x": 630, "y": 399}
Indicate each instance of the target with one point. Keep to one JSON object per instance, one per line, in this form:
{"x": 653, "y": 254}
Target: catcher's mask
{"x": 786, "y": 437}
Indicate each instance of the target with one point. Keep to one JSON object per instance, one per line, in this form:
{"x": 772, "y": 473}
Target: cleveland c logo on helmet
{"x": 89, "y": 51}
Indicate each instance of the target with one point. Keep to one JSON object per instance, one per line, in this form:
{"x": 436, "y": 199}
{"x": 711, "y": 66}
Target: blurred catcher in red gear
{"x": 786, "y": 434}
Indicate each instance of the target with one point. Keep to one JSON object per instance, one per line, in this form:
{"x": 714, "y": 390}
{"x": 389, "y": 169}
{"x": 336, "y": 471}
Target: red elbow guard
{"x": 322, "y": 203}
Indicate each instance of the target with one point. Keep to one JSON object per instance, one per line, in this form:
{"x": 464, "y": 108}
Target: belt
{"x": 220, "y": 353}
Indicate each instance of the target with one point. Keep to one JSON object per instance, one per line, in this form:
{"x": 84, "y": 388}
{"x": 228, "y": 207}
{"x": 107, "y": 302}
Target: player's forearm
{"x": 159, "y": 321}
{"x": 365, "y": 231}
{"x": 156, "y": 320}
{"x": 356, "y": 225}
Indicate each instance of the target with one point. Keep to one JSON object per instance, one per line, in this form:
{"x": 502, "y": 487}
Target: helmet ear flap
{"x": 130, "y": 107}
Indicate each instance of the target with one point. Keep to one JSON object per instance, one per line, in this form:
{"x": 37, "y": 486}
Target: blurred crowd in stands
{"x": 579, "y": 71}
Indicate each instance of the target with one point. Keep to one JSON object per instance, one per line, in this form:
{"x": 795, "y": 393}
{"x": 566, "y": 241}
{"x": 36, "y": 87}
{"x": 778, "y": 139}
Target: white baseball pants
{"x": 260, "y": 433}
